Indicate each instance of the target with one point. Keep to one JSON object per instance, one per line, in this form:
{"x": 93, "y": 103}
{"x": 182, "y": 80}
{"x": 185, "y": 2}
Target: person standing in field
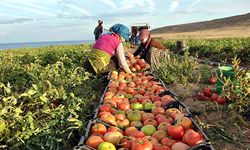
{"x": 98, "y": 30}
{"x": 149, "y": 49}
{"x": 108, "y": 53}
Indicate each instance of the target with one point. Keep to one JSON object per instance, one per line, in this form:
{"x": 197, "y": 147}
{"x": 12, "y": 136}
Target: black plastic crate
{"x": 82, "y": 147}
{"x": 202, "y": 146}
{"x": 96, "y": 112}
{"x": 105, "y": 90}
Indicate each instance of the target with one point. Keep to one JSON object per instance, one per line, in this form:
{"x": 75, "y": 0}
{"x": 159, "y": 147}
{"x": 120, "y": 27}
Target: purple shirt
{"x": 107, "y": 43}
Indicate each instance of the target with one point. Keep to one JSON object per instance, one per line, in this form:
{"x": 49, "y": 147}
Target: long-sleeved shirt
{"x": 143, "y": 49}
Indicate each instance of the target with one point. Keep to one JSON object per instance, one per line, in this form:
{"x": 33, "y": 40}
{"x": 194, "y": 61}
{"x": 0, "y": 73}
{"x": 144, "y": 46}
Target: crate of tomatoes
{"x": 138, "y": 112}
{"x": 181, "y": 134}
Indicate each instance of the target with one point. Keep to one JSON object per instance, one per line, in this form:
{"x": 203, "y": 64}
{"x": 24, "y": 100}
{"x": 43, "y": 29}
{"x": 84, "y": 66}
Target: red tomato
{"x": 201, "y": 97}
{"x": 158, "y": 103}
{"x": 109, "y": 118}
{"x": 122, "y": 84}
{"x": 99, "y": 128}
{"x": 137, "y": 124}
{"x": 192, "y": 138}
{"x": 176, "y": 132}
{"x": 173, "y": 112}
{"x": 150, "y": 122}
{"x": 163, "y": 118}
{"x": 113, "y": 137}
{"x": 131, "y": 84}
{"x": 123, "y": 105}
{"x": 105, "y": 107}
{"x": 120, "y": 116}
{"x": 141, "y": 144}
{"x": 151, "y": 139}
{"x": 168, "y": 142}
{"x": 112, "y": 85}
{"x": 158, "y": 110}
{"x": 163, "y": 126}
{"x": 121, "y": 88}
{"x": 113, "y": 129}
{"x": 221, "y": 100}
{"x": 138, "y": 134}
{"x": 130, "y": 130}
{"x": 147, "y": 116}
{"x": 137, "y": 67}
{"x": 93, "y": 141}
{"x": 180, "y": 146}
{"x": 214, "y": 96}
{"x": 167, "y": 98}
{"x": 212, "y": 80}
{"x": 207, "y": 91}
{"x": 126, "y": 142}
{"x": 159, "y": 135}
{"x": 155, "y": 98}
{"x": 185, "y": 122}
{"x": 122, "y": 123}
{"x": 149, "y": 77}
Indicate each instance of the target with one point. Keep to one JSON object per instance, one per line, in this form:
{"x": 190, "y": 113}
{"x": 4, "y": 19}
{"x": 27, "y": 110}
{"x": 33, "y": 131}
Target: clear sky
{"x": 56, "y": 20}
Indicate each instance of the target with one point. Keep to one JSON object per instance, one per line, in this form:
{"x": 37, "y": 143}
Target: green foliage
{"x": 45, "y": 97}
{"x": 237, "y": 90}
{"x": 216, "y": 49}
{"x": 174, "y": 68}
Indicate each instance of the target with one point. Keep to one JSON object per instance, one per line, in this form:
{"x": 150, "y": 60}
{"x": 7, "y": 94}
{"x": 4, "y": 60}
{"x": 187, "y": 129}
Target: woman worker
{"x": 149, "y": 47}
{"x": 107, "y": 50}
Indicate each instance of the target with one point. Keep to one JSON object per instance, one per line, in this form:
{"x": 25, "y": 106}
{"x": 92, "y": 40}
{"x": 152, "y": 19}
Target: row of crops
{"x": 44, "y": 96}
{"x": 216, "y": 49}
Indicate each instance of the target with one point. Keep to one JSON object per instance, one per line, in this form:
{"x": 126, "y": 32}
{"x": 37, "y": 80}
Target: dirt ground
{"x": 210, "y": 114}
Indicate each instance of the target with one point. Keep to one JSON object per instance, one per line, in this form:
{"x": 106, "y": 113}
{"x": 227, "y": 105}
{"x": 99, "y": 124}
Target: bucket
{"x": 223, "y": 71}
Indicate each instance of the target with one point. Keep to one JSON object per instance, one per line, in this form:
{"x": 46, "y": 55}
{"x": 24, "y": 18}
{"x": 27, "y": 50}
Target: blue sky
{"x": 56, "y": 20}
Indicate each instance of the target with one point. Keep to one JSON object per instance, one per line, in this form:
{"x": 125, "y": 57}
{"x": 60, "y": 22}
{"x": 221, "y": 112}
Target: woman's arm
{"x": 122, "y": 59}
{"x": 138, "y": 51}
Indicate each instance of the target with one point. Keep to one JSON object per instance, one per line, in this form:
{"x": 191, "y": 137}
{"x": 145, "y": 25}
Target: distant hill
{"x": 235, "y": 26}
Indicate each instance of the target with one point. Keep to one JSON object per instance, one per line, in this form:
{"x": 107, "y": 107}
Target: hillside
{"x": 235, "y": 26}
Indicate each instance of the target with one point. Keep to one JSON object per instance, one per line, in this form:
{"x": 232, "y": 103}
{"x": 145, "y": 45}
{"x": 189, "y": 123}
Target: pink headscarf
{"x": 144, "y": 33}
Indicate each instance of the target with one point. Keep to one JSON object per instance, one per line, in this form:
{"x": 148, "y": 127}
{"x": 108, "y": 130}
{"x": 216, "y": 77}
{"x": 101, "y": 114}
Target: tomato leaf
{"x": 32, "y": 92}
{"x": 43, "y": 98}
{"x": 24, "y": 95}
{"x": 18, "y": 110}
{"x": 2, "y": 125}
{"x": 34, "y": 86}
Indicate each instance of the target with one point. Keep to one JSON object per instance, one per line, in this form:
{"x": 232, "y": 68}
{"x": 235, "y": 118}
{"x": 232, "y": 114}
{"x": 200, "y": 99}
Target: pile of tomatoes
{"x": 133, "y": 116}
{"x": 209, "y": 94}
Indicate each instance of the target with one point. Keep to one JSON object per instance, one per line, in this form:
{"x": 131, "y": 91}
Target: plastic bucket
{"x": 226, "y": 71}
{"x": 223, "y": 71}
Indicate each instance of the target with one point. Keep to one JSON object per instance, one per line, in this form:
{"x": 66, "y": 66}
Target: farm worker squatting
{"x": 107, "y": 49}
{"x": 150, "y": 49}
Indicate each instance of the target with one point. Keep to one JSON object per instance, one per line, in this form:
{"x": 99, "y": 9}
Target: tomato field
{"x": 220, "y": 50}
{"x": 47, "y": 98}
